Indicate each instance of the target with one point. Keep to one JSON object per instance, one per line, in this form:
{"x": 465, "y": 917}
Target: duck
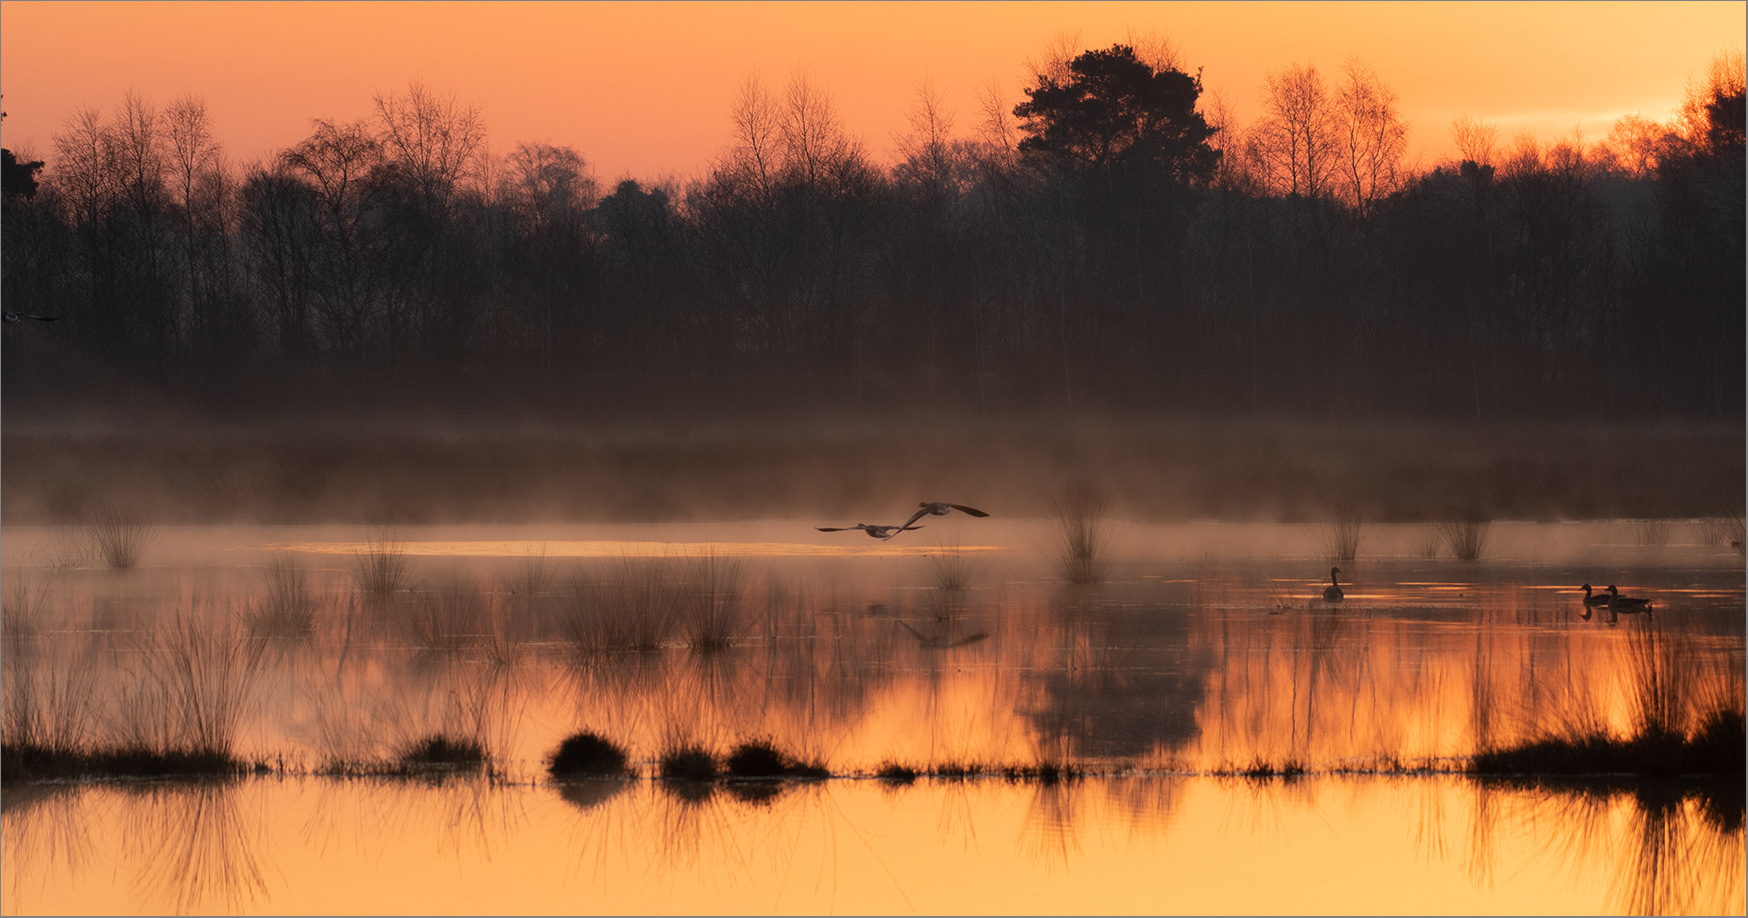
{"x": 1626, "y": 605}
{"x": 878, "y": 532}
{"x": 940, "y": 508}
{"x": 1591, "y": 602}
{"x": 1332, "y": 593}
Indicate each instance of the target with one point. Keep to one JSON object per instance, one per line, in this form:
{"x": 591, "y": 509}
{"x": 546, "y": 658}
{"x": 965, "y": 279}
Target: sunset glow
{"x": 645, "y": 89}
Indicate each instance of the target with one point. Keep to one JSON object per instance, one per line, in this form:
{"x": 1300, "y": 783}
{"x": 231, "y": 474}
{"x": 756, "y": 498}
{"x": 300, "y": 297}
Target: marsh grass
{"x": 49, "y": 708}
{"x": 455, "y": 619}
{"x": 633, "y": 606}
{"x": 896, "y": 773}
{"x": 439, "y": 750}
{"x": 24, "y": 612}
{"x": 381, "y": 566}
{"x": 1724, "y": 530}
{"x": 710, "y": 602}
{"x": 207, "y": 676}
{"x": 1687, "y": 719}
{"x": 119, "y": 536}
{"x": 1431, "y": 539}
{"x": 287, "y": 608}
{"x": 1652, "y": 532}
{"x": 1465, "y": 539}
{"x": 762, "y": 759}
{"x": 1261, "y": 769}
{"x": 530, "y": 574}
{"x": 687, "y": 762}
{"x": 1080, "y": 535}
{"x": 588, "y": 753}
{"x": 949, "y": 568}
{"x": 1341, "y": 535}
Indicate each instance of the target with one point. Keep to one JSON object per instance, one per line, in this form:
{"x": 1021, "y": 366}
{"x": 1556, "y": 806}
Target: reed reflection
{"x": 199, "y": 846}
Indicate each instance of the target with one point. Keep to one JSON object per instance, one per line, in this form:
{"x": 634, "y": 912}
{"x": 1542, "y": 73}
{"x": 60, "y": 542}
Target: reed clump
{"x": 949, "y": 569}
{"x": 1080, "y": 535}
{"x": 381, "y": 566}
{"x": 687, "y": 762}
{"x": 1342, "y": 534}
{"x": 762, "y": 759}
{"x": 588, "y": 754}
{"x": 710, "y": 604}
{"x": 440, "y": 750}
{"x": 287, "y": 608}
{"x": 1687, "y": 720}
{"x": 119, "y": 536}
{"x": 1466, "y": 538}
{"x": 896, "y": 773}
{"x": 634, "y": 607}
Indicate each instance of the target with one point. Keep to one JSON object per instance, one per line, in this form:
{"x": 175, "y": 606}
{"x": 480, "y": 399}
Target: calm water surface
{"x": 1207, "y": 651}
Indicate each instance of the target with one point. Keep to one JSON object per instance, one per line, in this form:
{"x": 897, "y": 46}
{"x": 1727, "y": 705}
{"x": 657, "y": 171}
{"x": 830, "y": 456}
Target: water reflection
{"x": 1180, "y": 669}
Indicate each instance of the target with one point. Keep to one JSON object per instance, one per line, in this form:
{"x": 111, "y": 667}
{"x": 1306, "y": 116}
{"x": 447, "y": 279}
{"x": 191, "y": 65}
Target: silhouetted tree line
{"x": 1112, "y": 241}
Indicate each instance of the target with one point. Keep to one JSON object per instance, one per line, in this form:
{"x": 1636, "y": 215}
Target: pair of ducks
{"x": 1614, "y": 602}
{"x": 926, "y": 508}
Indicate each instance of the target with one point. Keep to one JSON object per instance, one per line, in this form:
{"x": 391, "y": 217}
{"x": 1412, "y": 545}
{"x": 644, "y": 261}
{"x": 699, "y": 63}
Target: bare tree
{"x": 814, "y": 143}
{"x": 439, "y": 143}
{"x": 1635, "y": 144}
{"x": 194, "y": 167}
{"x": 1373, "y": 137}
{"x": 547, "y": 184}
{"x": 926, "y": 150}
{"x": 753, "y": 156}
{"x": 1295, "y": 143}
{"x": 1477, "y": 141}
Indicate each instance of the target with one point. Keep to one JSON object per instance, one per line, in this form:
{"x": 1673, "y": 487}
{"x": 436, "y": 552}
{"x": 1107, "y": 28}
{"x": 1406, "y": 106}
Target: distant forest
{"x": 1114, "y": 242}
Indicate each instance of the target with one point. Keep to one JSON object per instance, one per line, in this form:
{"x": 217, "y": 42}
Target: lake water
{"x": 1206, "y": 652}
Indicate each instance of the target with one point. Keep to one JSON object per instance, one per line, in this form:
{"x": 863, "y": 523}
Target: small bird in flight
{"x": 940, "y": 508}
{"x": 878, "y": 532}
{"x": 12, "y": 317}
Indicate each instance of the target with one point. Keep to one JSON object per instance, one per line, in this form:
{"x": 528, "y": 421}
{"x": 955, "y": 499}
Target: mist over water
{"x": 1205, "y": 665}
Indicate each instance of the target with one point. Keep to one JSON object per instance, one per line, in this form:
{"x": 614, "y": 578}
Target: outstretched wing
{"x": 964, "y": 509}
{"x": 836, "y": 528}
{"x": 915, "y": 516}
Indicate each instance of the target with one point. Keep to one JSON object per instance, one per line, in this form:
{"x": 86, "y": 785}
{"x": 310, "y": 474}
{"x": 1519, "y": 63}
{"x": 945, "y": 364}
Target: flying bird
{"x": 1332, "y": 593}
{"x": 940, "y": 508}
{"x": 12, "y": 317}
{"x": 940, "y": 642}
{"x": 878, "y": 532}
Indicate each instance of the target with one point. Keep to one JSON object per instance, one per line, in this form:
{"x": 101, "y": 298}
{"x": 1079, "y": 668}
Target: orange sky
{"x": 645, "y": 89}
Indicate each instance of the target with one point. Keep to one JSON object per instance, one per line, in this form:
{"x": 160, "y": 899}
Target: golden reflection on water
{"x": 1183, "y": 665}
{"x": 1144, "y": 844}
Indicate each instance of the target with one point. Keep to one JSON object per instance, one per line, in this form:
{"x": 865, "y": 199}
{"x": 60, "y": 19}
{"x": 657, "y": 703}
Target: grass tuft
{"x": 895, "y": 773}
{"x": 587, "y": 753}
{"x": 1341, "y": 535}
{"x": 287, "y": 609}
{"x": 1081, "y": 535}
{"x": 381, "y": 567}
{"x": 687, "y": 763}
{"x": 1466, "y": 539}
{"x": 119, "y": 536}
{"x": 438, "y": 750}
{"x": 762, "y": 759}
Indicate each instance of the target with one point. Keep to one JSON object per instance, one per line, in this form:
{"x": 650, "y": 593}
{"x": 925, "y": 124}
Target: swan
{"x": 940, "y": 508}
{"x": 1332, "y": 593}
{"x": 878, "y": 532}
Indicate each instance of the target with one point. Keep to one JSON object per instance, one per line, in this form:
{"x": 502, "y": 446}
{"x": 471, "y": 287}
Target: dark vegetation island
{"x": 1111, "y": 275}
